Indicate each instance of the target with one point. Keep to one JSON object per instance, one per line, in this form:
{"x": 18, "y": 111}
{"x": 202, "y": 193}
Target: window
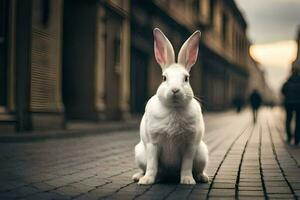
{"x": 117, "y": 53}
{"x": 224, "y": 27}
{"x": 196, "y": 7}
{"x": 45, "y": 12}
{"x": 212, "y": 11}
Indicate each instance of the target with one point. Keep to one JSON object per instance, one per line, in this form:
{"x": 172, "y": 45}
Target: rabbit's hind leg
{"x": 140, "y": 159}
{"x": 200, "y": 163}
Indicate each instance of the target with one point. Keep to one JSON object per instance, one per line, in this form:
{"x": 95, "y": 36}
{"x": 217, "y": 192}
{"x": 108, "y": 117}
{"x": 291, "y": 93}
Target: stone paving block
{"x": 251, "y": 193}
{"x": 222, "y": 192}
{"x": 219, "y": 185}
{"x": 196, "y": 192}
{"x": 278, "y": 190}
{"x": 46, "y": 196}
{"x": 275, "y": 183}
{"x": 82, "y": 186}
{"x": 179, "y": 194}
{"x": 19, "y": 192}
{"x": 250, "y": 180}
{"x": 94, "y": 182}
{"x": 229, "y": 169}
{"x": 250, "y": 176}
{"x": 42, "y": 186}
{"x": 250, "y": 184}
{"x": 277, "y": 176}
{"x": 228, "y": 173}
{"x": 250, "y": 188}
{"x": 69, "y": 191}
{"x": 59, "y": 182}
{"x": 197, "y": 197}
{"x": 222, "y": 198}
{"x": 294, "y": 180}
{"x": 103, "y": 192}
{"x": 230, "y": 181}
{"x": 121, "y": 196}
{"x": 274, "y": 178}
{"x": 41, "y": 177}
{"x": 87, "y": 196}
{"x": 162, "y": 187}
{"x": 226, "y": 177}
{"x": 159, "y": 190}
{"x": 134, "y": 188}
{"x": 150, "y": 196}
{"x": 201, "y": 186}
{"x": 251, "y": 198}
{"x": 281, "y": 196}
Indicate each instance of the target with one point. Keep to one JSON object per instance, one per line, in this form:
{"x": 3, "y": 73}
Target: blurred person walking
{"x": 255, "y": 102}
{"x": 238, "y": 103}
{"x": 291, "y": 93}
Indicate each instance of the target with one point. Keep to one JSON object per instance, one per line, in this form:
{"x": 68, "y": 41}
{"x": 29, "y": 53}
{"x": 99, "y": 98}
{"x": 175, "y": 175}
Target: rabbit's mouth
{"x": 176, "y": 98}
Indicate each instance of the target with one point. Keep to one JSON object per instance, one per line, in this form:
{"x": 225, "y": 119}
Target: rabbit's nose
{"x": 175, "y": 90}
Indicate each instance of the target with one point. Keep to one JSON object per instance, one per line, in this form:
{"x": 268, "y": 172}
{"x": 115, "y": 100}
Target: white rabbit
{"x": 172, "y": 127}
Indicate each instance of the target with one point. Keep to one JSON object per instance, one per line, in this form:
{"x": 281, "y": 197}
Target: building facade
{"x": 65, "y": 60}
{"x": 95, "y": 68}
{"x": 225, "y": 47}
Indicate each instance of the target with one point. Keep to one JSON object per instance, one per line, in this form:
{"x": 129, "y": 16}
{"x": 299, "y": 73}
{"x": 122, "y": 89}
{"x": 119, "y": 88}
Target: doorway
{"x": 139, "y": 80}
{"x": 3, "y": 51}
{"x": 113, "y": 26}
{"x": 78, "y": 78}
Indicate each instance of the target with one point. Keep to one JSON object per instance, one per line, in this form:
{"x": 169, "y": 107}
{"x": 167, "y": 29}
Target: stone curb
{"x": 32, "y": 136}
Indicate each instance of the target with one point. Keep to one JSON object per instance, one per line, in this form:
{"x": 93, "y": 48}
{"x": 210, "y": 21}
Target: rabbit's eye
{"x": 164, "y": 78}
{"x": 186, "y": 78}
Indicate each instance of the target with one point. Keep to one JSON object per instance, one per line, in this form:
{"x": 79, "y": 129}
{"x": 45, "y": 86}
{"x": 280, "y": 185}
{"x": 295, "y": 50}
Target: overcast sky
{"x": 272, "y": 28}
{"x": 271, "y": 20}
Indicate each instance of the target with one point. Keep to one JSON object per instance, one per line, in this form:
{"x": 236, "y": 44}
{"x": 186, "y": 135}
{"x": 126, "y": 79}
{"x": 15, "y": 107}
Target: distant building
{"x": 257, "y": 81}
{"x": 64, "y": 60}
{"x": 223, "y": 54}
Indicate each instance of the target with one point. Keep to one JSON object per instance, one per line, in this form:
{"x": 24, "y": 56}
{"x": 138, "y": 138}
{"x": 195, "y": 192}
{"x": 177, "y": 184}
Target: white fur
{"x": 172, "y": 127}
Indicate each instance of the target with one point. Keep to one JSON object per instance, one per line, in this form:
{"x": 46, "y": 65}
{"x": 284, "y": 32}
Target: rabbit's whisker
{"x": 195, "y": 97}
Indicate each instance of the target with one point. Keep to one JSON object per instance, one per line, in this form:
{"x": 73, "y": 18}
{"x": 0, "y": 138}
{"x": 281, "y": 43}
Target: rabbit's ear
{"x": 163, "y": 49}
{"x": 189, "y": 51}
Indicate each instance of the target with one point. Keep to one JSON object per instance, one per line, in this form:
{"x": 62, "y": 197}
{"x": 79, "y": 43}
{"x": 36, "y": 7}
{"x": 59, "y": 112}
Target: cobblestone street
{"x": 246, "y": 162}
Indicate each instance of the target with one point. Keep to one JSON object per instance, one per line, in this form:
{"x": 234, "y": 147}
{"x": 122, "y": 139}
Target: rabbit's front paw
{"x": 203, "y": 178}
{"x": 187, "y": 180}
{"x": 136, "y": 177}
{"x": 146, "y": 180}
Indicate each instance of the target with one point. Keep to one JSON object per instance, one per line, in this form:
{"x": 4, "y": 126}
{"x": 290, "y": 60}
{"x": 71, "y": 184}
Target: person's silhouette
{"x": 238, "y": 103}
{"x": 291, "y": 93}
{"x": 255, "y": 102}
